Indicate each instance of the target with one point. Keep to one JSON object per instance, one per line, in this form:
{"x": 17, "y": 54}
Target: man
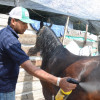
{"x": 12, "y": 56}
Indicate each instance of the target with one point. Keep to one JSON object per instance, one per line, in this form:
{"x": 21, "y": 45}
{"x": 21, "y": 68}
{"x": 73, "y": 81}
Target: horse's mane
{"x": 49, "y": 34}
{"x": 49, "y": 40}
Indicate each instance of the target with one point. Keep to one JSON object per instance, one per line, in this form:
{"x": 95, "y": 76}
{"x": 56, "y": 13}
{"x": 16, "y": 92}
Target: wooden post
{"x": 66, "y": 28}
{"x": 98, "y": 47}
{"x": 85, "y": 36}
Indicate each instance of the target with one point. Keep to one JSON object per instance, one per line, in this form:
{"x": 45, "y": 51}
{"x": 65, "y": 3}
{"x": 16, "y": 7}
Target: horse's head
{"x": 46, "y": 37}
{"x": 46, "y": 41}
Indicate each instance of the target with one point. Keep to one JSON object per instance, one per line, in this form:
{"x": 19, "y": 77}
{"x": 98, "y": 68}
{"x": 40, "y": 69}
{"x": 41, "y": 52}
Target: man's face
{"x": 18, "y": 26}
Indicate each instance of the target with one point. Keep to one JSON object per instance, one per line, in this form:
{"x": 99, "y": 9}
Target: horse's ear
{"x": 41, "y": 24}
{"x": 50, "y": 25}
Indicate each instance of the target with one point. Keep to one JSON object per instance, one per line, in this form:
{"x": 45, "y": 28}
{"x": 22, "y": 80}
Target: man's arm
{"x": 42, "y": 75}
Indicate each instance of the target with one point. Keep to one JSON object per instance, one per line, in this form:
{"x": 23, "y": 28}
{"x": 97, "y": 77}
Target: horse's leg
{"x": 48, "y": 90}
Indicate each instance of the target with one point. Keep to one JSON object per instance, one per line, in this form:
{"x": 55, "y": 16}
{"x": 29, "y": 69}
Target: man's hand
{"x": 66, "y": 86}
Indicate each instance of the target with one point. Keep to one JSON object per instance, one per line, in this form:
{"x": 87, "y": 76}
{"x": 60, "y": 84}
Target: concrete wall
{"x": 28, "y": 87}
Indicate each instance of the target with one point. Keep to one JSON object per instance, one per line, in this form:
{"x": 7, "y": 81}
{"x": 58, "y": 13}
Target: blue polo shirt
{"x": 11, "y": 57}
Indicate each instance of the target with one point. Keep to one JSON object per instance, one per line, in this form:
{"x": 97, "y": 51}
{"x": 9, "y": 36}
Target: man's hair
{"x": 9, "y": 20}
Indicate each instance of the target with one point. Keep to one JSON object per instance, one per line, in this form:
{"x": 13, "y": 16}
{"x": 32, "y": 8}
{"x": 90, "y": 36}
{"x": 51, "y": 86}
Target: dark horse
{"x": 58, "y": 61}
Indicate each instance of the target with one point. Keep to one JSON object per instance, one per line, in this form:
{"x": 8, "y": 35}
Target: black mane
{"x": 47, "y": 41}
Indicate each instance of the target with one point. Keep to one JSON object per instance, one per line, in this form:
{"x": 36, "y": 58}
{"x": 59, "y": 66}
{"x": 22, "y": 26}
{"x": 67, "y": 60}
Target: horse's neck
{"x": 50, "y": 49}
{"x": 49, "y": 45}
{"x": 48, "y": 53}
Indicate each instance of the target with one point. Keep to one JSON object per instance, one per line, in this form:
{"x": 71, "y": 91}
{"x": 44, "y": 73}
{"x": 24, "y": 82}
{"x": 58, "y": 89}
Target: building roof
{"x": 81, "y": 12}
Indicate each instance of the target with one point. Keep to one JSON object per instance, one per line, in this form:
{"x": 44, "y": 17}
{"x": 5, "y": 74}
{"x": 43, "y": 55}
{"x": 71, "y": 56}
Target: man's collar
{"x": 15, "y": 34}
